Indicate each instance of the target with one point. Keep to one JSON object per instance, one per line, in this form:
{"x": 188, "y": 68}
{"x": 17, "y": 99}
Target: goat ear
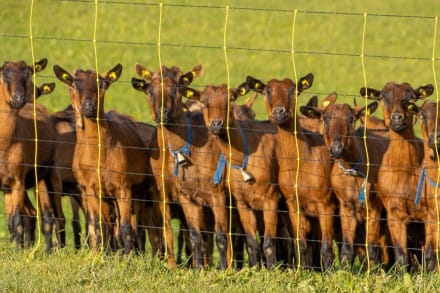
{"x": 310, "y": 112}
{"x": 197, "y": 70}
{"x": 255, "y": 84}
{"x": 45, "y": 88}
{"x": 143, "y": 72}
{"x": 331, "y": 99}
{"x": 410, "y": 107}
{"x": 313, "y": 102}
{"x": 63, "y": 75}
{"x": 367, "y": 111}
{"x": 370, "y": 93}
{"x": 424, "y": 91}
{"x": 305, "y": 82}
{"x": 189, "y": 93}
{"x": 113, "y": 74}
{"x": 188, "y": 77}
{"x": 40, "y": 65}
{"x": 139, "y": 84}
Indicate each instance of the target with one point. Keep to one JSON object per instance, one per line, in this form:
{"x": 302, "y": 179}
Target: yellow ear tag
{"x": 189, "y": 93}
{"x": 242, "y": 91}
{"x": 193, "y": 73}
{"x": 112, "y": 75}
{"x": 371, "y": 94}
{"x": 257, "y": 85}
{"x": 37, "y": 67}
{"x": 64, "y": 76}
{"x": 367, "y": 113}
{"x": 305, "y": 82}
{"x": 185, "y": 79}
{"x": 145, "y": 74}
{"x": 325, "y": 103}
{"x": 185, "y": 109}
{"x": 422, "y": 92}
{"x": 46, "y": 89}
{"x": 410, "y": 107}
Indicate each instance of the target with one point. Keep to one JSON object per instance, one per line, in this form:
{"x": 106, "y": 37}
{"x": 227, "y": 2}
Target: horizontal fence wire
{"x": 415, "y": 240}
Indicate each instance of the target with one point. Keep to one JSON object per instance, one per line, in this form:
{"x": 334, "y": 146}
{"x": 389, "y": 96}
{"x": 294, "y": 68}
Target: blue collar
{"x": 422, "y": 178}
{"x": 185, "y": 149}
{"x": 355, "y": 172}
{"x": 222, "y": 160}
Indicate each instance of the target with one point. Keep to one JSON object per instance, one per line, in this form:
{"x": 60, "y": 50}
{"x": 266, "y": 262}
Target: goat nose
{"x": 18, "y": 97}
{"x": 217, "y": 123}
{"x": 337, "y": 148}
{"x": 278, "y": 110}
{"x": 397, "y": 117}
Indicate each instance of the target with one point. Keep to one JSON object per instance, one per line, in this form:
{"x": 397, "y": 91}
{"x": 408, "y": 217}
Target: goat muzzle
{"x": 217, "y": 126}
{"x": 336, "y": 149}
{"x": 17, "y": 101}
{"x": 280, "y": 115}
{"x": 398, "y": 122}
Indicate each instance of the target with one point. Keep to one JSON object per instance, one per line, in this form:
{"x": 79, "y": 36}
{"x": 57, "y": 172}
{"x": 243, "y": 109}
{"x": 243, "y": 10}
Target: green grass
{"x": 328, "y": 42}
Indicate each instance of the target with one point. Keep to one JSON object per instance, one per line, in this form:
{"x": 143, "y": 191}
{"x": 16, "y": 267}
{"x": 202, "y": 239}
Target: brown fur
{"x": 17, "y": 147}
{"x": 261, "y": 192}
{"x": 192, "y": 188}
{"x": 398, "y": 173}
{"x": 430, "y": 131}
{"x": 123, "y": 161}
{"x": 348, "y": 150}
{"x": 314, "y": 195}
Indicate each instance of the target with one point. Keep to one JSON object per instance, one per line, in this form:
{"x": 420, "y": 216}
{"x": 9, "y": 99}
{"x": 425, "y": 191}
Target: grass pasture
{"x": 399, "y": 45}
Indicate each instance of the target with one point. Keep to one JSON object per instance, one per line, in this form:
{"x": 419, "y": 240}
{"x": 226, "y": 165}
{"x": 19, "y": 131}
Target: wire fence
{"x": 233, "y": 54}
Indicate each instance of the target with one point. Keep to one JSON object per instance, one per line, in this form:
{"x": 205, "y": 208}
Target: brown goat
{"x": 189, "y": 161}
{"x": 18, "y": 149}
{"x": 123, "y": 162}
{"x": 314, "y": 195}
{"x": 428, "y": 186}
{"x": 349, "y": 172}
{"x": 398, "y": 173}
{"x": 253, "y": 166}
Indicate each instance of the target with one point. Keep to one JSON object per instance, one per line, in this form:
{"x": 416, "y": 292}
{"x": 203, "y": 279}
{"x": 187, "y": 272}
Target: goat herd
{"x": 271, "y": 187}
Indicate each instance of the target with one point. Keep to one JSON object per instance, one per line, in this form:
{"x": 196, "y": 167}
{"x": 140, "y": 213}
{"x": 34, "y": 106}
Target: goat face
{"x": 279, "y": 95}
{"x": 215, "y": 111}
{"x": 164, "y": 90}
{"x": 430, "y": 125}
{"x": 87, "y": 88}
{"x": 338, "y": 122}
{"x": 397, "y": 103}
{"x": 16, "y": 82}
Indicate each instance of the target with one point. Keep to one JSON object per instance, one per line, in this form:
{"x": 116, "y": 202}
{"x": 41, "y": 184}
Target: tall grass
{"x": 399, "y": 37}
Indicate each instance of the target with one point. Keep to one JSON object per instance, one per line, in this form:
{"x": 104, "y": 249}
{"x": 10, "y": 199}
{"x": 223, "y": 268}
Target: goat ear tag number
{"x": 189, "y": 93}
{"x": 242, "y": 91}
{"x": 112, "y": 75}
{"x": 65, "y": 76}
{"x": 145, "y": 74}
{"x": 46, "y": 89}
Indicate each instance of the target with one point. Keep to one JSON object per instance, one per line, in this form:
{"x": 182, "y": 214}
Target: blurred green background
{"x": 399, "y": 43}
{"x": 399, "y": 40}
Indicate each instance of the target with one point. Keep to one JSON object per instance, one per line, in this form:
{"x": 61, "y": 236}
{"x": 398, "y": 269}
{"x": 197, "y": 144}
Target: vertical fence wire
{"x": 98, "y": 125}
{"x": 228, "y": 176}
{"x": 37, "y": 191}
{"x": 295, "y": 133}
{"x": 162, "y": 137}
{"x": 437, "y": 208}
{"x": 367, "y": 198}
